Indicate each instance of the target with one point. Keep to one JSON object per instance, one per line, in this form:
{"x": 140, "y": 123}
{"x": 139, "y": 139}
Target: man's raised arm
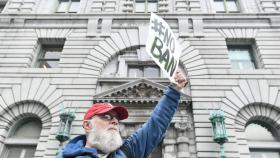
{"x": 145, "y": 140}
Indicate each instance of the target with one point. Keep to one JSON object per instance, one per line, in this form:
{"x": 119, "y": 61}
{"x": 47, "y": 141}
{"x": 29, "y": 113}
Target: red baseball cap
{"x": 100, "y": 108}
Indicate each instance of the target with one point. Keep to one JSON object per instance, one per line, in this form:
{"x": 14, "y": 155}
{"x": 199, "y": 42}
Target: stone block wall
{"x": 102, "y": 29}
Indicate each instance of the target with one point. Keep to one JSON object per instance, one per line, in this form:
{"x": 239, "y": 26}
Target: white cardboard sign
{"x": 162, "y": 45}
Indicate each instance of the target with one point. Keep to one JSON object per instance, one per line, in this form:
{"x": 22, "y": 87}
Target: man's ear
{"x": 87, "y": 125}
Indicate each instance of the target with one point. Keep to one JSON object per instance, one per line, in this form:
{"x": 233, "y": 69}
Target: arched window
{"x": 23, "y": 138}
{"x": 262, "y": 141}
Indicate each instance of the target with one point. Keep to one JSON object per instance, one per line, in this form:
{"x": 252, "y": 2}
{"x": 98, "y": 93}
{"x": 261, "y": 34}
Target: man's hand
{"x": 180, "y": 80}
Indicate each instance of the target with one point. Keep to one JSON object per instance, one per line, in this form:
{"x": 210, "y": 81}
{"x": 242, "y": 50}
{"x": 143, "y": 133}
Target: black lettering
{"x": 172, "y": 65}
{"x": 172, "y": 45}
{"x": 165, "y": 58}
{"x": 167, "y": 37}
{"x": 169, "y": 41}
{"x": 157, "y": 44}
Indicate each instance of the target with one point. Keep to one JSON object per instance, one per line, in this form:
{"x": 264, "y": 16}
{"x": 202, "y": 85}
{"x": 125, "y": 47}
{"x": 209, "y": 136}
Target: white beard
{"x": 104, "y": 139}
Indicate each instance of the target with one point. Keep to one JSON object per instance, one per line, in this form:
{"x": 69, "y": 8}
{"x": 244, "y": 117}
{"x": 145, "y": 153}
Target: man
{"x": 101, "y": 124}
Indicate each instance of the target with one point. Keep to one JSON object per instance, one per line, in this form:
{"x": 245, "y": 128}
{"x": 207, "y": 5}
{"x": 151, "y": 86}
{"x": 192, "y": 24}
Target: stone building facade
{"x": 57, "y": 54}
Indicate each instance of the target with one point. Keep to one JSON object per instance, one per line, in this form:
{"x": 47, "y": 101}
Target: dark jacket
{"x": 142, "y": 142}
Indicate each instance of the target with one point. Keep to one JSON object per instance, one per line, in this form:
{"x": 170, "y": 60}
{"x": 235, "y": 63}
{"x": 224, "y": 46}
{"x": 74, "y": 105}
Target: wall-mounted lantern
{"x": 217, "y": 118}
{"x": 66, "y": 119}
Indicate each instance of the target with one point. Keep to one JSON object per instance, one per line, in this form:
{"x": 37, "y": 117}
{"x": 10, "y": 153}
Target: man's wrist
{"x": 175, "y": 87}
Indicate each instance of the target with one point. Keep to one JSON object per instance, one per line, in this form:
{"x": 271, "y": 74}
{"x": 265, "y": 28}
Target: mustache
{"x": 114, "y": 127}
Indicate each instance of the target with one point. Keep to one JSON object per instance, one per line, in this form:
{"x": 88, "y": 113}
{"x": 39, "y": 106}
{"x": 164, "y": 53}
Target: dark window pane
{"x": 219, "y": 6}
{"x": 223, "y": 6}
{"x": 49, "y": 56}
{"x": 240, "y": 53}
{"x": 241, "y": 57}
{"x": 134, "y": 71}
{"x": 264, "y": 154}
{"x": 232, "y": 6}
{"x": 236, "y": 64}
{"x": 143, "y": 71}
{"x": 29, "y": 152}
{"x": 2, "y": 6}
{"x": 52, "y": 54}
{"x": 50, "y": 64}
{"x": 21, "y": 151}
{"x": 152, "y": 7}
{"x": 151, "y": 71}
{"x": 255, "y": 132}
{"x": 140, "y": 7}
{"x": 74, "y": 7}
{"x": 63, "y": 6}
{"x": 30, "y": 129}
{"x": 14, "y": 152}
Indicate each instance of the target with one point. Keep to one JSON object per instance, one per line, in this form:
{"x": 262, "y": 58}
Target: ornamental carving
{"x": 183, "y": 125}
{"x": 141, "y": 90}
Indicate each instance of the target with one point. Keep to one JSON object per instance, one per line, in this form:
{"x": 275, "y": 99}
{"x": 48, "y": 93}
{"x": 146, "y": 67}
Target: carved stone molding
{"x": 139, "y": 91}
{"x": 183, "y": 125}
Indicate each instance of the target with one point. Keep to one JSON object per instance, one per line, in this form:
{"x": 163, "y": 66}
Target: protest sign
{"x": 162, "y": 45}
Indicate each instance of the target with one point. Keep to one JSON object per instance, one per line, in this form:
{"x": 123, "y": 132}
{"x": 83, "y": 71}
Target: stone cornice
{"x": 125, "y": 79}
{"x": 139, "y": 91}
{"x": 139, "y": 15}
{"x": 125, "y": 20}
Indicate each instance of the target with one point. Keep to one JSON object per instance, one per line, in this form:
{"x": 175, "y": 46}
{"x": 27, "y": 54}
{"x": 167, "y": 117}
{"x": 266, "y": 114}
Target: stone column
{"x": 169, "y": 144}
{"x": 182, "y": 139}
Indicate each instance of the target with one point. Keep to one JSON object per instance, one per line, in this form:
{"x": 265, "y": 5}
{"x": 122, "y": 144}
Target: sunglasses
{"x": 108, "y": 117}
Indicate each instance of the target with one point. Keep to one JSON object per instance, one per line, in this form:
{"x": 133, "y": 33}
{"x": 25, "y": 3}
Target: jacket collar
{"x": 76, "y": 147}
